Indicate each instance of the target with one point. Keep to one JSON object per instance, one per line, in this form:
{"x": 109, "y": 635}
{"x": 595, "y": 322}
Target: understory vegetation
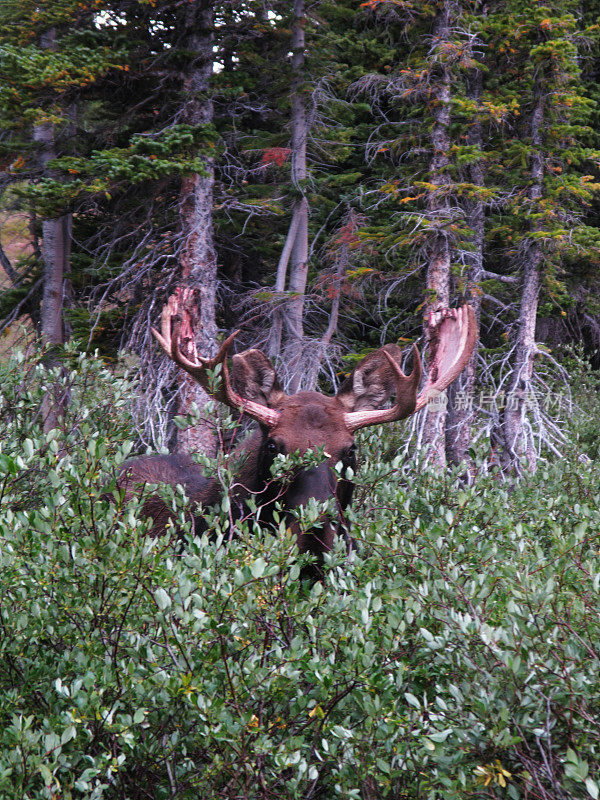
{"x": 454, "y": 654}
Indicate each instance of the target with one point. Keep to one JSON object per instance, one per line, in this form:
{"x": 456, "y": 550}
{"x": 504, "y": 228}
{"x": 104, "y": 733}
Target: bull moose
{"x": 299, "y": 422}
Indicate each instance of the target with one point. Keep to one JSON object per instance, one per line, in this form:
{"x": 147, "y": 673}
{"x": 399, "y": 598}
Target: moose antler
{"x": 453, "y": 333}
{"x": 406, "y": 397}
{"x": 177, "y": 329}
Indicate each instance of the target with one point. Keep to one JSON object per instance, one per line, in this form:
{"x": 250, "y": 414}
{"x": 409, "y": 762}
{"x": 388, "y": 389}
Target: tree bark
{"x": 274, "y": 346}
{"x": 55, "y": 250}
{"x": 516, "y": 442}
{"x": 5, "y": 262}
{"x": 341, "y": 267}
{"x": 461, "y": 393}
{"x": 197, "y": 257}
{"x": 438, "y": 270}
{"x": 298, "y": 267}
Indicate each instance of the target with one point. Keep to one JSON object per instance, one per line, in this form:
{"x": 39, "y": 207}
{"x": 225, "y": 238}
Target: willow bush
{"x": 454, "y": 654}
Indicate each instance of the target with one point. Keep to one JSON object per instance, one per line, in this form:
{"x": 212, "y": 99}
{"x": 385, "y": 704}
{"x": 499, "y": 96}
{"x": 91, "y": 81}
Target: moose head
{"x": 300, "y": 422}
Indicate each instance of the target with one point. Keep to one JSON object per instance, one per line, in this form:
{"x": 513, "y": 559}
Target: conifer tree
{"x": 45, "y": 66}
{"x": 122, "y": 65}
{"x": 198, "y": 260}
{"x": 294, "y": 257}
{"x": 537, "y": 50}
{"x": 461, "y": 395}
{"x": 305, "y": 119}
{"x": 438, "y": 201}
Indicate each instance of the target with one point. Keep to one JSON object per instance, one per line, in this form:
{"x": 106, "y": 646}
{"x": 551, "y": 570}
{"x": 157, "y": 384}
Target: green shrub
{"x": 454, "y": 655}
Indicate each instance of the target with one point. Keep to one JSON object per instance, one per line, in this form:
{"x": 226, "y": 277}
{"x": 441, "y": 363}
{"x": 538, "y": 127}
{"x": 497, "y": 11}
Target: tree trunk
{"x": 298, "y": 268}
{"x": 461, "y": 393}
{"x": 516, "y": 442}
{"x": 342, "y": 263}
{"x": 438, "y": 270}
{"x": 274, "y": 346}
{"x": 197, "y": 257}
{"x": 55, "y": 250}
{"x": 11, "y": 272}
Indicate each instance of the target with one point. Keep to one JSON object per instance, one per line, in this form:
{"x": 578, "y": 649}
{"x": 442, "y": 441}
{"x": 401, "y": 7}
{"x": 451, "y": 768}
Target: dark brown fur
{"x": 297, "y": 423}
{"x": 307, "y": 420}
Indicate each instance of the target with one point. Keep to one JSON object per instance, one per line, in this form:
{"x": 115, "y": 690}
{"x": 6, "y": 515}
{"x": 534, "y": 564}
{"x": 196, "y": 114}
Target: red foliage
{"x": 275, "y": 155}
{"x": 347, "y": 233}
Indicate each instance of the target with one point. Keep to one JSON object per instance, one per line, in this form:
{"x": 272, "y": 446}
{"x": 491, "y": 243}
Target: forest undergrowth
{"x": 453, "y": 654}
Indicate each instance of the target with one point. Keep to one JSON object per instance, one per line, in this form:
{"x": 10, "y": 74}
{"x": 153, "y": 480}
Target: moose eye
{"x": 272, "y": 448}
{"x": 349, "y": 456}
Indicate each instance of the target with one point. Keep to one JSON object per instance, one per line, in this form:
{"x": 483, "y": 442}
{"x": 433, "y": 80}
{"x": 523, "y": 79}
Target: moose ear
{"x": 372, "y": 383}
{"x": 254, "y": 378}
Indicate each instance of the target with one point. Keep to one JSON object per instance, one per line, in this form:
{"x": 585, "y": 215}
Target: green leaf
{"x": 68, "y": 734}
{"x": 440, "y": 736}
{"x": 163, "y": 600}
{"x": 258, "y": 567}
{"x": 383, "y": 766}
{"x": 47, "y": 776}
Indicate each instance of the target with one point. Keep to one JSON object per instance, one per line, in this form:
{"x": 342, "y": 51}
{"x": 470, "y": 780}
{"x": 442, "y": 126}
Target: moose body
{"x": 297, "y": 423}
{"x": 252, "y": 477}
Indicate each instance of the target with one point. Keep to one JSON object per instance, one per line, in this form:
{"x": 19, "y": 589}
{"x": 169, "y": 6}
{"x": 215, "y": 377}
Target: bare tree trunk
{"x": 516, "y": 442}
{"x": 438, "y": 270}
{"x": 461, "y": 393}
{"x": 55, "y": 250}
{"x": 56, "y": 237}
{"x": 197, "y": 260}
{"x": 33, "y": 232}
{"x": 274, "y": 347}
{"x": 298, "y": 267}
{"x": 5, "y": 262}
{"x": 341, "y": 267}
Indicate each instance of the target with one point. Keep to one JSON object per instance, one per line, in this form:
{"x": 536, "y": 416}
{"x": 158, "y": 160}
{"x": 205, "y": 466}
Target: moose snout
{"x": 319, "y": 484}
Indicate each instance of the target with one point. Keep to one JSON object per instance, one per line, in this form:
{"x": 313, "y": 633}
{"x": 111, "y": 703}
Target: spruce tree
{"x": 536, "y": 51}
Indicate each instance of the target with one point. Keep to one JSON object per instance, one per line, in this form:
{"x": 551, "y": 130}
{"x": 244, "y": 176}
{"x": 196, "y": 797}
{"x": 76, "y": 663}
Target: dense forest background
{"x": 322, "y": 175}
